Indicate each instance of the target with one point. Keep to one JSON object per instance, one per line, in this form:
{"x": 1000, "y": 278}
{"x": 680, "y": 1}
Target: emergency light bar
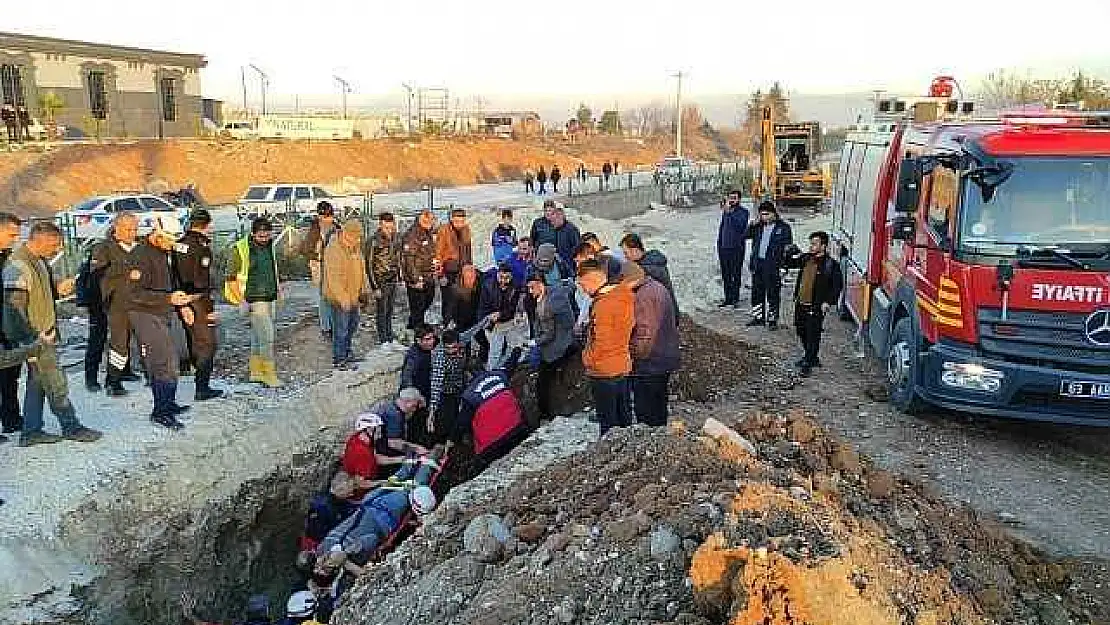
{"x": 1057, "y": 117}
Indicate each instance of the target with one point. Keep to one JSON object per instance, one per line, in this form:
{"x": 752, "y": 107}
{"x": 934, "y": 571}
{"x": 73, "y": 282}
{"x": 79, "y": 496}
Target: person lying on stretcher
{"x": 384, "y": 509}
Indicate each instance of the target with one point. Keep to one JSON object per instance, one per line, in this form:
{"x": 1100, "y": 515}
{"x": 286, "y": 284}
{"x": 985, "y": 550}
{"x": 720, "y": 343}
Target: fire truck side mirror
{"x": 903, "y": 229}
{"x": 909, "y": 186}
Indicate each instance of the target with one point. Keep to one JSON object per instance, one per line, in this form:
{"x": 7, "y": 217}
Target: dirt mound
{"x": 651, "y": 526}
{"x": 37, "y": 184}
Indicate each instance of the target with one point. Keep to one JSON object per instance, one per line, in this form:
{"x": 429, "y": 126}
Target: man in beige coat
{"x": 345, "y": 287}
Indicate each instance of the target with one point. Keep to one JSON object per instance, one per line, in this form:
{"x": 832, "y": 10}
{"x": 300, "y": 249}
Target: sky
{"x": 620, "y": 48}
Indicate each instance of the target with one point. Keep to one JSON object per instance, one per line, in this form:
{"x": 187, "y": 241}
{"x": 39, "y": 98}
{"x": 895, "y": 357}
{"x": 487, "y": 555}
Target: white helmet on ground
{"x": 422, "y": 500}
{"x": 367, "y": 421}
{"x": 301, "y": 605}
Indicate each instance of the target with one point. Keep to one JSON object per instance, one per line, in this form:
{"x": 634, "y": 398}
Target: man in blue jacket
{"x": 732, "y": 235}
{"x": 770, "y": 236}
{"x": 554, "y": 228}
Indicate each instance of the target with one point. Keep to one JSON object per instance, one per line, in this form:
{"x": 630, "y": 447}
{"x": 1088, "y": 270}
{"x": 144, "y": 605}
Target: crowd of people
{"x": 536, "y": 181}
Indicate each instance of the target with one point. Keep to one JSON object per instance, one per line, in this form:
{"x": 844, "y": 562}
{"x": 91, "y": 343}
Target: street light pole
{"x": 345, "y": 87}
{"x": 265, "y": 83}
{"x": 408, "y": 118}
{"x": 678, "y": 116}
{"x": 243, "y": 77}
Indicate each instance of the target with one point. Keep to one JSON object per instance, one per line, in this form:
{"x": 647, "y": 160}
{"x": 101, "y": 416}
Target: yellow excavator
{"x": 788, "y": 172}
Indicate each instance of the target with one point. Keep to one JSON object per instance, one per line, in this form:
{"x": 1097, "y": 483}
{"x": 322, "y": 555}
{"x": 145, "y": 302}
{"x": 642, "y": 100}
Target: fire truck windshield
{"x": 1061, "y": 203}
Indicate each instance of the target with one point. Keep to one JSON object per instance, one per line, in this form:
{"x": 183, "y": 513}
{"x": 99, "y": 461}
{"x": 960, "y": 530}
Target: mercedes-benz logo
{"x": 1097, "y": 328}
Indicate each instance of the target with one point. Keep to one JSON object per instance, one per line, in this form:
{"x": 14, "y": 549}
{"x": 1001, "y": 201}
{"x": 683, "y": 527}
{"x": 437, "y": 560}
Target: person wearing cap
{"x": 154, "y": 298}
{"x": 252, "y": 281}
{"x": 345, "y": 287}
{"x": 192, "y": 264}
{"x": 300, "y": 609}
{"x": 770, "y": 237}
{"x": 553, "y": 333}
{"x": 315, "y": 241}
{"x": 367, "y": 451}
{"x": 418, "y": 267}
{"x": 448, "y": 381}
{"x": 554, "y": 228}
{"x": 607, "y": 355}
{"x": 30, "y": 317}
{"x": 503, "y": 310}
{"x": 383, "y": 269}
{"x": 383, "y": 510}
{"x": 550, "y": 265}
{"x": 111, "y": 262}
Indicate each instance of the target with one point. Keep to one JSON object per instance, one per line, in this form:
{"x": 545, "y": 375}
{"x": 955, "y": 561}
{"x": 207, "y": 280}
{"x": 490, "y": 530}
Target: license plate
{"x": 1087, "y": 390}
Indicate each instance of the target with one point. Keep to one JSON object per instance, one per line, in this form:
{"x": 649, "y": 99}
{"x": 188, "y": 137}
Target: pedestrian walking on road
{"x": 345, "y": 288}
{"x": 192, "y": 262}
{"x": 555, "y": 176}
{"x": 770, "y": 236}
{"x": 655, "y": 350}
{"x": 606, "y": 171}
{"x": 111, "y": 263}
{"x": 607, "y": 356}
{"x": 30, "y": 318}
{"x": 582, "y": 173}
{"x": 732, "y": 235}
{"x": 418, "y": 267}
{"x": 9, "y": 375}
{"x": 541, "y": 178}
{"x": 383, "y": 269}
{"x": 252, "y": 281}
{"x": 155, "y": 299}
{"x": 529, "y": 180}
{"x": 315, "y": 241}
{"x": 816, "y": 292}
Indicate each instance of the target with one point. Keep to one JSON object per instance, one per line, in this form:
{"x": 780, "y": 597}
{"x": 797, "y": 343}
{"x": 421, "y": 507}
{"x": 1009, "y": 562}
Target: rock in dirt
{"x": 566, "y": 611}
{"x": 664, "y": 543}
{"x": 485, "y": 537}
{"x": 531, "y": 533}
{"x": 881, "y": 484}
{"x": 722, "y": 432}
{"x": 846, "y": 460}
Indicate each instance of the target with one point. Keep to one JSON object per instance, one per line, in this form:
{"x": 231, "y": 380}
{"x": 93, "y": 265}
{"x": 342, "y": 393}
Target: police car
{"x": 91, "y": 218}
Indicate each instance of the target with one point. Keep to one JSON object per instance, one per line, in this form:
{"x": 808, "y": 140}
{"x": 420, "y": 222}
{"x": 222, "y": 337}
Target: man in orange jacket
{"x": 607, "y": 356}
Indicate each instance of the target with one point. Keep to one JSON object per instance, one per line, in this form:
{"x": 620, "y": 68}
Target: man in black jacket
{"x": 770, "y": 236}
{"x": 816, "y": 292}
{"x": 383, "y": 267}
{"x": 192, "y": 262}
{"x": 9, "y": 377}
{"x": 112, "y": 260}
{"x": 419, "y": 267}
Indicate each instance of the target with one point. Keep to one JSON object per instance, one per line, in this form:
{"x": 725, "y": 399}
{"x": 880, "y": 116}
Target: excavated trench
{"x": 235, "y": 546}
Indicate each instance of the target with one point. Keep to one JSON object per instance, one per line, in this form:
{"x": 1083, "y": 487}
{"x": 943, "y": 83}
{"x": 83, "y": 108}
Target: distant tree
{"x": 1006, "y": 89}
{"x": 584, "y": 115}
{"x": 610, "y": 123}
{"x": 780, "y": 105}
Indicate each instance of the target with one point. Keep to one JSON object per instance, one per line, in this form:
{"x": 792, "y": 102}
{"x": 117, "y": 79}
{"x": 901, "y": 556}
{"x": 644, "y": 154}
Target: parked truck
{"x": 976, "y": 255}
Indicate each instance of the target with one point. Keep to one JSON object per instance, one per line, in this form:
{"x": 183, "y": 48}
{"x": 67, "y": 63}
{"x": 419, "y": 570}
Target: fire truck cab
{"x": 976, "y": 255}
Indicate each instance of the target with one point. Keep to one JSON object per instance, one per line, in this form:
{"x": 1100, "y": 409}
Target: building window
{"x": 169, "y": 100}
{"x": 98, "y": 95}
{"x": 11, "y": 86}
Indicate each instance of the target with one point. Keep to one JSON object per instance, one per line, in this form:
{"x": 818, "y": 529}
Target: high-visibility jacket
{"x": 235, "y": 290}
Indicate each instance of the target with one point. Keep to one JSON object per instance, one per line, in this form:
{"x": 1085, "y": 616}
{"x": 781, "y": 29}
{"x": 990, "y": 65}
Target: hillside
{"x": 42, "y": 183}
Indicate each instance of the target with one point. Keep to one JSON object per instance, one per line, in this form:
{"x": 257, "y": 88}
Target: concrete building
{"x": 104, "y": 90}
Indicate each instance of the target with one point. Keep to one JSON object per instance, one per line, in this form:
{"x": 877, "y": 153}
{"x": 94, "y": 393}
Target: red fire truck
{"x": 976, "y": 255}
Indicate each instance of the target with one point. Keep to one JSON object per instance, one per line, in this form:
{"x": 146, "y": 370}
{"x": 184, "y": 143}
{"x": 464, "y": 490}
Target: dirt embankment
{"x": 37, "y": 184}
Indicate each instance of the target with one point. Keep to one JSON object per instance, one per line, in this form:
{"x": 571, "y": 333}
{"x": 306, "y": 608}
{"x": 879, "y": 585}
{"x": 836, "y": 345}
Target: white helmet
{"x": 422, "y": 500}
{"x": 169, "y": 224}
{"x": 301, "y": 605}
{"x": 367, "y": 421}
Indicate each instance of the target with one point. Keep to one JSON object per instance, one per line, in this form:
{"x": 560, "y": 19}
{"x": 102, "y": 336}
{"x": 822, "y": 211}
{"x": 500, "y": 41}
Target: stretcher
{"x": 409, "y": 519}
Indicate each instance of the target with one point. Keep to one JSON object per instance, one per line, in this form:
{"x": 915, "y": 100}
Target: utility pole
{"x": 345, "y": 88}
{"x": 408, "y": 118}
{"x": 678, "y": 116}
{"x": 265, "y": 84}
{"x": 243, "y": 77}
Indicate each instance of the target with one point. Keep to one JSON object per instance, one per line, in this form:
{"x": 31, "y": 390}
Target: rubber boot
{"x": 114, "y": 383}
{"x": 269, "y": 373}
{"x": 256, "y": 369}
{"x": 204, "y": 377}
{"x": 163, "y": 398}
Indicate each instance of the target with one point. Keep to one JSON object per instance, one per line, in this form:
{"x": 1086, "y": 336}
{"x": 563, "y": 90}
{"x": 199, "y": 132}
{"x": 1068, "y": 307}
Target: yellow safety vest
{"x": 234, "y": 290}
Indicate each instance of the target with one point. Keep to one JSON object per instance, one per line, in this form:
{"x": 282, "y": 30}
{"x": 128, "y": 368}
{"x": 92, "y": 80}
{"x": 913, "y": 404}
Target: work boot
{"x": 93, "y": 386}
{"x": 30, "y": 439}
{"x": 269, "y": 373}
{"x": 177, "y": 409}
{"x": 203, "y": 379}
{"x": 167, "y": 421}
{"x": 204, "y": 394}
{"x": 256, "y": 369}
{"x": 129, "y": 376}
{"x": 754, "y": 322}
{"x": 115, "y": 389}
{"x": 84, "y": 435}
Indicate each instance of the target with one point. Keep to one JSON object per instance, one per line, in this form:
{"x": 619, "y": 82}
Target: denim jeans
{"x": 262, "y": 329}
{"x": 45, "y": 382}
{"x": 611, "y": 400}
{"x": 343, "y": 326}
{"x": 325, "y": 314}
{"x": 384, "y": 312}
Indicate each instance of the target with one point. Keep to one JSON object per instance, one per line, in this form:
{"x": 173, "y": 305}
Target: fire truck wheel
{"x": 901, "y": 368}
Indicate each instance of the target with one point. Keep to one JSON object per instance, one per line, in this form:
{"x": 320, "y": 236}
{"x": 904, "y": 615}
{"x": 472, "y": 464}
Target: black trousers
{"x": 732, "y": 272}
{"x": 119, "y": 340}
{"x": 447, "y": 419}
{"x": 766, "y": 290}
{"x": 545, "y": 380}
{"x": 808, "y": 322}
{"x": 649, "y": 398}
{"x": 420, "y": 300}
{"x": 612, "y": 402}
{"x": 383, "y": 309}
{"x": 202, "y": 341}
{"x": 98, "y": 338}
{"x": 10, "y": 415}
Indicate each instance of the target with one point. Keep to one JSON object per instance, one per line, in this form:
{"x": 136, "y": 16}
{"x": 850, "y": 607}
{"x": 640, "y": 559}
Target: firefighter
{"x": 192, "y": 262}
{"x": 112, "y": 260}
{"x": 153, "y": 299}
{"x": 770, "y": 237}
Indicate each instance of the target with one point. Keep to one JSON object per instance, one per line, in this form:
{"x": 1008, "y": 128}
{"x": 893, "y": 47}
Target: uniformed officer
{"x": 192, "y": 262}
{"x": 153, "y": 300}
{"x": 112, "y": 261}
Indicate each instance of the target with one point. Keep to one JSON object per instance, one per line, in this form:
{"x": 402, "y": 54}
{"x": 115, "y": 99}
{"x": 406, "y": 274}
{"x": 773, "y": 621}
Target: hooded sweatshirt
{"x": 344, "y": 275}
{"x": 654, "y": 264}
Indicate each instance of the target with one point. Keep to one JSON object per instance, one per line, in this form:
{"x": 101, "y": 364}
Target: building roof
{"x": 35, "y": 43}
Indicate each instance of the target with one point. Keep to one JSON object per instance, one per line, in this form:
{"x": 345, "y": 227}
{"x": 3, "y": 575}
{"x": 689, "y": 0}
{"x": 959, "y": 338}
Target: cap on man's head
{"x": 261, "y": 224}
{"x": 325, "y": 209}
{"x": 590, "y": 236}
{"x": 411, "y": 393}
{"x": 201, "y": 217}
